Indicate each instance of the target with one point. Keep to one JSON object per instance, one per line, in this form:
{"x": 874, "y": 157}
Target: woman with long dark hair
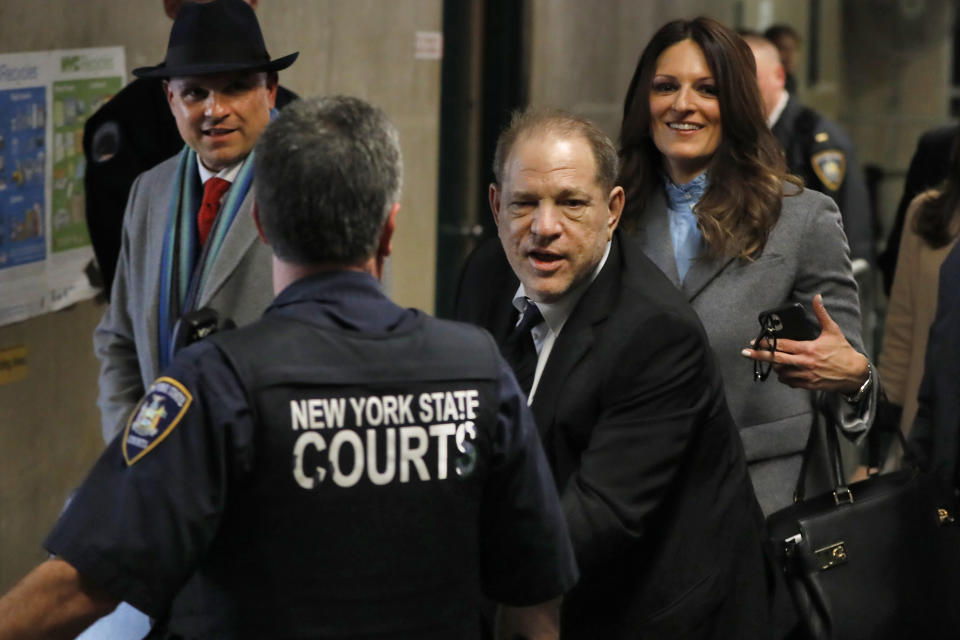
{"x": 709, "y": 195}
{"x": 931, "y": 227}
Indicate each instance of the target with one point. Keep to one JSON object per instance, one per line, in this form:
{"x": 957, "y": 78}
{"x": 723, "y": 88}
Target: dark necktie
{"x": 213, "y": 190}
{"x": 521, "y": 352}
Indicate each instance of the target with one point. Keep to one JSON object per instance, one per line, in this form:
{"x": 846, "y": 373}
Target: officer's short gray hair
{"x": 327, "y": 172}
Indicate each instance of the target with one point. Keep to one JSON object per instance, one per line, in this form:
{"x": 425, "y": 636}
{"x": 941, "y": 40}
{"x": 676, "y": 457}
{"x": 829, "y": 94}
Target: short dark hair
{"x": 776, "y": 31}
{"x": 548, "y": 120}
{"x": 742, "y": 202}
{"x": 327, "y": 171}
{"x": 938, "y": 215}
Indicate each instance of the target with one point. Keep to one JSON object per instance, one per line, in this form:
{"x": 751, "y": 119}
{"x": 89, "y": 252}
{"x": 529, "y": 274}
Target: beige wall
{"x": 366, "y": 48}
{"x": 582, "y": 53}
{"x": 49, "y": 430}
{"x": 49, "y": 424}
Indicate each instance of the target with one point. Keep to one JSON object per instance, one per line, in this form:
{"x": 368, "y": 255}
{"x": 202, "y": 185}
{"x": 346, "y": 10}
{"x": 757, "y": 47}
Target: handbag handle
{"x": 821, "y": 410}
{"x": 841, "y": 492}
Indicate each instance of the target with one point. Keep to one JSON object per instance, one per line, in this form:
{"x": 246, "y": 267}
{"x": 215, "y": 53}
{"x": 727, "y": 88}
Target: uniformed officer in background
{"x": 341, "y": 468}
{"x": 817, "y": 150}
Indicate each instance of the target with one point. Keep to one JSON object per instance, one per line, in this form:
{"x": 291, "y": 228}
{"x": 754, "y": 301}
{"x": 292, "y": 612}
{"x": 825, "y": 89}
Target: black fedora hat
{"x": 215, "y": 37}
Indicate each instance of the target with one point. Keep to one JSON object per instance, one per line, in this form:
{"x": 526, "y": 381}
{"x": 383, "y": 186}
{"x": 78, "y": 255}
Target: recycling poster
{"x": 45, "y": 98}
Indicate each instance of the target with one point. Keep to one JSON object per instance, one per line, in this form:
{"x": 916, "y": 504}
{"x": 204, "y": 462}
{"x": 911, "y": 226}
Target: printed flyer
{"x": 45, "y": 98}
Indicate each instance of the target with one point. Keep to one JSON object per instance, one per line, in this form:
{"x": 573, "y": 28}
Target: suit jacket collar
{"x": 784, "y": 126}
{"x": 577, "y": 336}
{"x": 653, "y": 231}
{"x": 702, "y": 272}
{"x": 229, "y": 174}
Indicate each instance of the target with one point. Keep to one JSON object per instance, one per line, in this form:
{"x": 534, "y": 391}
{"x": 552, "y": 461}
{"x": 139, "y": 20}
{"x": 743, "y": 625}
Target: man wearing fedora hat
{"x": 190, "y": 257}
{"x": 189, "y": 246}
{"x": 132, "y": 132}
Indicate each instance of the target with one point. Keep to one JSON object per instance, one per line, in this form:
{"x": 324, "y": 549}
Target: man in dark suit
{"x": 626, "y": 395}
{"x": 928, "y": 168}
{"x": 935, "y": 439}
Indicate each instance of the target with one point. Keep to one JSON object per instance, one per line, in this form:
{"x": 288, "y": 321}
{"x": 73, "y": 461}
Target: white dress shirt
{"x": 555, "y": 315}
{"x": 778, "y": 110}
{"x": 229, "y": 174}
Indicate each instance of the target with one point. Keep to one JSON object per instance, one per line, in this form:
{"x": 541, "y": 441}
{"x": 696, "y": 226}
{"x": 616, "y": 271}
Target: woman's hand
{"x": 828, "y": 363}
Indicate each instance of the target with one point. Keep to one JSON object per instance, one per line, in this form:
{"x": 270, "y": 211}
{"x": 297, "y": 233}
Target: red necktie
{"x": 213, "y": 191}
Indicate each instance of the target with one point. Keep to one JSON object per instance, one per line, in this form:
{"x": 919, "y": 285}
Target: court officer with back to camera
{"x": 341, "y": 468}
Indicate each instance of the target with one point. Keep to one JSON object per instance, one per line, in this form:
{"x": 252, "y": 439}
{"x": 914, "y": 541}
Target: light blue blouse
{"x": 687, "y": 239}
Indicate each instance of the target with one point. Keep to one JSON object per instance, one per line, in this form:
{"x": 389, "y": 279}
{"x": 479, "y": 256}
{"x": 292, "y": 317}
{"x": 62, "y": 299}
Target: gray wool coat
{"x": 806, "y": 254}
{"x": 240, "y": 287}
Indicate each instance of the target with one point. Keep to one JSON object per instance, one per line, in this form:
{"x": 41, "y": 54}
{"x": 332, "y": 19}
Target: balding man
{"x": 817, "y": 150}
{"x": 626, "y": 394}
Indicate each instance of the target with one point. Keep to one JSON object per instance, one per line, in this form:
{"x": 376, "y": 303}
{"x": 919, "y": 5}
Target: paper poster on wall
{"x": 45, "y": 98}
{"x": 22, "y": 162}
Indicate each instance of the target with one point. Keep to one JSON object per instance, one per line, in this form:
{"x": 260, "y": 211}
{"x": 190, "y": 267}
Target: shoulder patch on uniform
{"x": 106, "y": 141}
{"x": 822, "y": 136}
{"x": 158, "y": 413}
{"x": 831, "y": 167}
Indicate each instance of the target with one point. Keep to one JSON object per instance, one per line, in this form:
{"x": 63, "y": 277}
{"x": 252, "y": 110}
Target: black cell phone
{"x": 789, "y": 321}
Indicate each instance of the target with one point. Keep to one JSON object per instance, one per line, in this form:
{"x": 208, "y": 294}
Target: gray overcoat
{"x": 239, "y": 287}
{"x": 806, "y": 254}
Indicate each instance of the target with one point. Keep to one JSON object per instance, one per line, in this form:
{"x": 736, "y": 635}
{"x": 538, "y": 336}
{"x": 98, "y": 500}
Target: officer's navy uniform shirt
{"x": 285, "y": 537}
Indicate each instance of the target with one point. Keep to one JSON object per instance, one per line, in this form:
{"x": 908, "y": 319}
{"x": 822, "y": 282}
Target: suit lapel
{"x": 702, "y": 272}
{"x": 576, "y": 339}
{"x": 653, "y": 233}
{"x": 240, "y": 237}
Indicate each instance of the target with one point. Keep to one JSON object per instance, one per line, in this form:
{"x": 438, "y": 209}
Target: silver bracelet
{"x": 857, "y": 396}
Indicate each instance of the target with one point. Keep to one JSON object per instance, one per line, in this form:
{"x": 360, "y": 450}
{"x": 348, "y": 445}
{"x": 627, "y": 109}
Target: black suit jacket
{"x": 928, "y": 168}
{"x": 935, "y": 438}
{"x": 645, "y": 455}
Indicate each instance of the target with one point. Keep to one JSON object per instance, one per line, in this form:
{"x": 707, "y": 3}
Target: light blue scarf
{"x": 184, "y": 269}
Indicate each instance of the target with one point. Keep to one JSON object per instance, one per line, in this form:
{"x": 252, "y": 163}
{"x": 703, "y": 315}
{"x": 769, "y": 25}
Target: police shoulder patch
{"x": 160, "y": 410}
{"x": 831, "y": 167}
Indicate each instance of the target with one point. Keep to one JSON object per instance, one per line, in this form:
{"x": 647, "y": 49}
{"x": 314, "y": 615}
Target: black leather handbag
{"x": 873, "y": 560}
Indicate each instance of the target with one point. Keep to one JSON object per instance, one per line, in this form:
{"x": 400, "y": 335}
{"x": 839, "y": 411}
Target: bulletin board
{"x": 45, "y": 98}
